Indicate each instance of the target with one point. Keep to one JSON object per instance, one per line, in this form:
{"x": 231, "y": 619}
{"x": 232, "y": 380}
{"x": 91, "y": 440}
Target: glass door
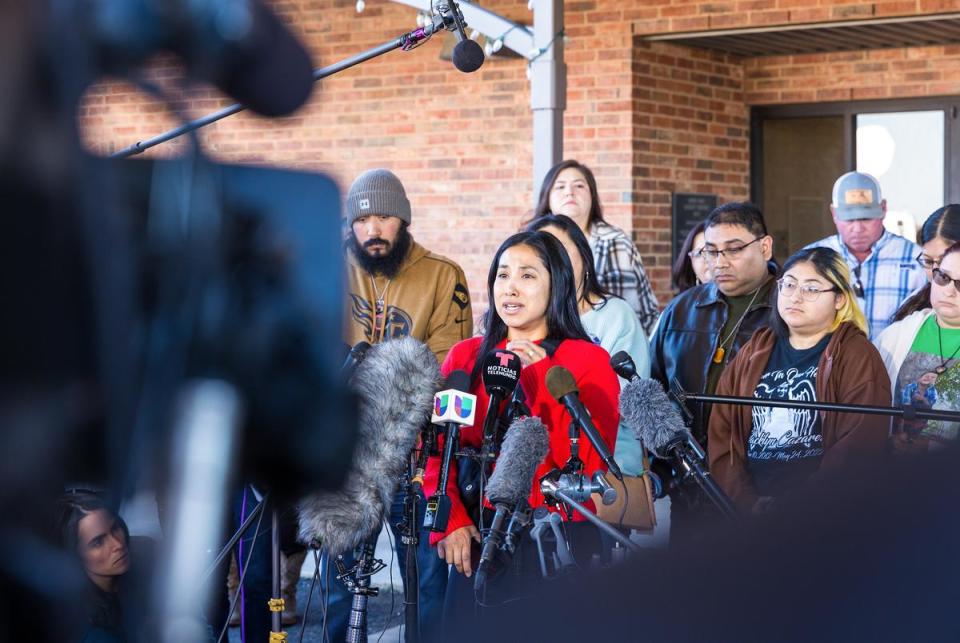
{"x": 905, "y": 151}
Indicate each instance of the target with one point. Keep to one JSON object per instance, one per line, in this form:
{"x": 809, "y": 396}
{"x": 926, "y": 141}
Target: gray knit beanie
{"x": 377, "y": 192}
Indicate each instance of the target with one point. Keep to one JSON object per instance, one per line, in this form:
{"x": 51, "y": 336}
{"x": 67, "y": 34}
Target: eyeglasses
{"x": 943, "y": 279}
{"x": 807, "y": 293}
{"x": 697, "y": 254}
{"x": 927, "y": 262}
{"x": 712, "y": 255}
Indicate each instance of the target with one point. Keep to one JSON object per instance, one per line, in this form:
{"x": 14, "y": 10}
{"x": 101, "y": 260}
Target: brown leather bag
{"x": 640, "y": 514}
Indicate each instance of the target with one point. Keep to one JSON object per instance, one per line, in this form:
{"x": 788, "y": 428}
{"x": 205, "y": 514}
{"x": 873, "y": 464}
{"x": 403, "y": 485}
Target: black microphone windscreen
{"x": 560, "y": 382}
{"x": 501, "y": 372}
{"x": 268, "y": 70}
{"x": 645, "y": 408}
{"x": 623, "y": 365}
{"x": 395, "y": 385}
{"x": 458, "y": 380}
{"x": 524, "y": 448}
{"x": 467, "y": 56}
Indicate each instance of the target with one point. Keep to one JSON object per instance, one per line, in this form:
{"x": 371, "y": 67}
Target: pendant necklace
{"x": 940, "y": 370}
{"x": 721, "y": 352}
{"x": 379, "y": 309}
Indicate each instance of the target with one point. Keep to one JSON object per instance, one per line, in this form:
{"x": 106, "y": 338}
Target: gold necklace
{"x": 721, "y": 352}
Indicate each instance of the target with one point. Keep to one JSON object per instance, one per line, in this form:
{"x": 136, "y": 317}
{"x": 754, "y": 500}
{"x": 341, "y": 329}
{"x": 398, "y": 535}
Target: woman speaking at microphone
{"x": 815, "y": 350}
{"x": 533, "y": 313}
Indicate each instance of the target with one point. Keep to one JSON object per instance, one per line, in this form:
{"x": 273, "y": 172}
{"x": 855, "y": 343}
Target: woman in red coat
{"x": 533, "y": 313}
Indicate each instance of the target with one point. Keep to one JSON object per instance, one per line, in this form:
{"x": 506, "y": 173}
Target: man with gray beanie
{"x": 883, "y": 265}
{"x": 397, "y": 288}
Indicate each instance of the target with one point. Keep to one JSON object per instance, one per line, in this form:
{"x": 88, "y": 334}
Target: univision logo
{"x": 462, "y": 406}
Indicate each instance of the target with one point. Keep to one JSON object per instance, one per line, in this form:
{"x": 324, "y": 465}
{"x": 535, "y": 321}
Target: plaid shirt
{"x": 620, "y": 271}
{"x": 889, "y": 275}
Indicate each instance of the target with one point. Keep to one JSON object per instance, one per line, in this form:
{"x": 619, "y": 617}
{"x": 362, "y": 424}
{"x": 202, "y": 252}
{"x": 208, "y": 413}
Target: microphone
{"x": 395, "y": 385}
{"x": 500, "y": 374}
{"x": 623, "y": 365}
{"x": 241, "y": 46}
{"x": 524, "y": 448}
{"x": 564, "y": 389}
{"x": 467, "y": 54}
{"x": 453, "y": 407}
{"x": 646, "y": 409}
{"x": 354, "y": 357}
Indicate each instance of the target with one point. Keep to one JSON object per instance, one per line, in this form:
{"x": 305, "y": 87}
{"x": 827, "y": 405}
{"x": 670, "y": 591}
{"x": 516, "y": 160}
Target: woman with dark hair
{"x": 570, "y": 188}
{"x": 608, "y": 320}
{"x": 940, "y": 231}
{"x": 691, "y": 268}
{"x": 815, "y": 350}
{"x": 101, "y": 541}
{"x": 921, "y": 354}
{"x": 533, "y": 312}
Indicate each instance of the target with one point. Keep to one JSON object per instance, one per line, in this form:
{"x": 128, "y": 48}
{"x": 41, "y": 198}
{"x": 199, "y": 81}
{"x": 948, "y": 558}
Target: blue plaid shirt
{"x": 889, "y": 275}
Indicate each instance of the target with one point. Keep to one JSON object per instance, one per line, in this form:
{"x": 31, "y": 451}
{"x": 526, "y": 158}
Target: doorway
{"x": 798, "y": 151}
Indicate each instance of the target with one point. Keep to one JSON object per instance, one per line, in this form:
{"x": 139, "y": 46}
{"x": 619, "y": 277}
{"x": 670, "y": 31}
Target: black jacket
{"x": 687, "y": 337}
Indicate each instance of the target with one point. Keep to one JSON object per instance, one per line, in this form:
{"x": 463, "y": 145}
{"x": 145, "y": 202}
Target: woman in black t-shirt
{"x": 815, "y": 349}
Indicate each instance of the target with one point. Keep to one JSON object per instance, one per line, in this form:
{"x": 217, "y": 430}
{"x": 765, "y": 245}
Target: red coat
{"x": 599, "y": 392}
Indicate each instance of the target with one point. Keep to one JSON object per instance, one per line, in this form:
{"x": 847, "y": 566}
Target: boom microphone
{"x": 395, "y": 386}
{"x": 524, "y": 448}
{"x": 467, "y": 54}
{"x": 564, "y": 389}
{"x": 646, "y": 409}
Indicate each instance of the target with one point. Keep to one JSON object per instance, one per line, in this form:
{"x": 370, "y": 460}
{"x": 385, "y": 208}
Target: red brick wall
{"x": 691, "y": 134}
{"x": 853, "y": 75}
{"x": 700, "y": 15}
{"x": 649, "y": 119}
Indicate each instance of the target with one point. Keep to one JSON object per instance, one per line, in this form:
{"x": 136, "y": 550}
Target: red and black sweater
{"x": 599, "y": 391}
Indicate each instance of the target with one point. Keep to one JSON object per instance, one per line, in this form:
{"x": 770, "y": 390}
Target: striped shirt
{"x": 620, "y": 271}
{"x": 889, "y": 275}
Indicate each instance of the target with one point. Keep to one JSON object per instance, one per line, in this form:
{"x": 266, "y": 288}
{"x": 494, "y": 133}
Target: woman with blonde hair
{"x": 815, "y": 350}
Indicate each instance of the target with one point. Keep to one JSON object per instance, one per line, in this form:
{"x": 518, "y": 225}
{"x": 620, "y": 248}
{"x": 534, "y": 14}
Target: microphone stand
{"x": 551, "y": 488}
{"x": 410, "y": 538}
{"x": 907, "y": 411}
{"x": 447, "y": 21}
{"x": 357, "y": 582}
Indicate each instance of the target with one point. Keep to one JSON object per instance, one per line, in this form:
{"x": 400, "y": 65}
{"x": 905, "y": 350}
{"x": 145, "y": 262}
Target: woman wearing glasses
{"x": 921, "y": 354}
{"x": 816, "y": 349}
{"x": 940, "y": 231}
{"x": 691, "y": 269}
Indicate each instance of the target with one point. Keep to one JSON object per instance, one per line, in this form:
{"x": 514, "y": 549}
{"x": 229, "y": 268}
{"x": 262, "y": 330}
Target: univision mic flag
{"x": 454, "y": 406}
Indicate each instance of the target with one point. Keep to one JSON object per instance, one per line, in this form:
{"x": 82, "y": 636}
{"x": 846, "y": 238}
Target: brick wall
{"x": 650, "y": 119}
{"x": 700, "y": 15}
{"x": 691, "y": 135}
{"x": 853, "y": 75}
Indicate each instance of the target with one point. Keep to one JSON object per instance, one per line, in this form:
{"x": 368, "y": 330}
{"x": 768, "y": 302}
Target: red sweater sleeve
{"x": 599, "y": 391}
{"x": 461, "y": 357}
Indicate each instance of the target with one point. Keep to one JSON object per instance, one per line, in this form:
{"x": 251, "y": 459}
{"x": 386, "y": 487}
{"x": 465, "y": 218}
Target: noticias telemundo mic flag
{"x": 454, "y": 406}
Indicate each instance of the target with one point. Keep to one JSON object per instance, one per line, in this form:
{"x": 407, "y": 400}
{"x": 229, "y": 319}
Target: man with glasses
{"x": 882, "y": 264}
{"x": 702, "y": 329}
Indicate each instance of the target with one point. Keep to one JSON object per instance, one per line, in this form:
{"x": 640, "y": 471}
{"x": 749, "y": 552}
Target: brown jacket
{"x": 427, "y": 300}
{"x": 850, "y": 372}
